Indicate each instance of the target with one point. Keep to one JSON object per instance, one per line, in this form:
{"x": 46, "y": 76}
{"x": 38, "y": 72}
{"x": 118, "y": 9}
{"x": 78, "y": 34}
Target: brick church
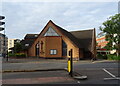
{"x": 55, "y": 42}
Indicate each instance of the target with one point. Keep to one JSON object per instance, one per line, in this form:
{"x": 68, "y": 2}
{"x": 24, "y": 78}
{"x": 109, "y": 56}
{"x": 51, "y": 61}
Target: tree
{"x": 111, "y": 28}
{"x": 17, "y": 47}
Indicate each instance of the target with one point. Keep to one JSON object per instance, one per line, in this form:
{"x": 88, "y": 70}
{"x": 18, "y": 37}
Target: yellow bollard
{"x": 69, "y": 65}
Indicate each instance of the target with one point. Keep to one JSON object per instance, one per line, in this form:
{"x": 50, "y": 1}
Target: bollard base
{"x": 80, "y": 77}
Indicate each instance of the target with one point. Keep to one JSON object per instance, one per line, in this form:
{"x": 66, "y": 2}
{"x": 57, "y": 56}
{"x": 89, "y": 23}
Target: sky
{"x": 30, "y": 17}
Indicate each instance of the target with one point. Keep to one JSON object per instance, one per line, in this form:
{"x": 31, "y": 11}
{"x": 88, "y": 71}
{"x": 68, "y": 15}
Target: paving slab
{"x": 46, "y": 77}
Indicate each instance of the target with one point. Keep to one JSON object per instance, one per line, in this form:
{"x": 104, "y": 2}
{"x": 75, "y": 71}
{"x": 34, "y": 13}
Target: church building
{"x": 56, "y": 42}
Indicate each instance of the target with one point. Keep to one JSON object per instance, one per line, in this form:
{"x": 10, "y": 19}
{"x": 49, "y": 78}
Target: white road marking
{"x": 114, "y": 77}
{"x": 111, "y": 78}
{"x": 109, "y": 73}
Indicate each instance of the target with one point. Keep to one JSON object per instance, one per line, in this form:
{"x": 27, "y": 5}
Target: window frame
{"x": 54, "y": 51}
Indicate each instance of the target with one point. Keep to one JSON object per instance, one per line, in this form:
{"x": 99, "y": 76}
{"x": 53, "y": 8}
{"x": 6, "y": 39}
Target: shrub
{"x": 20, "y": 55}
{"x": 11, "y": 55}
{"x": 101, "y": 56}
{"x": 16, "y": 55}
{"x": 113, "y": 57}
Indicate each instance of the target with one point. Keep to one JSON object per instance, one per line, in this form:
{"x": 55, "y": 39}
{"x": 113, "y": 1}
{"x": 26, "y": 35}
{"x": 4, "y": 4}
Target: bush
{"x": 101, "y": 56}
{"x": 11, "y": 55}
{"x": 113, "y": 57}
{"x": 16, "y": 55}
{"x": 20, "y": 55}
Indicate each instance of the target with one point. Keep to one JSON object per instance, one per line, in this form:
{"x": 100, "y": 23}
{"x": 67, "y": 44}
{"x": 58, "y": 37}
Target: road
{"x": 93, "y": 70}
{"x": 96, "y": 73}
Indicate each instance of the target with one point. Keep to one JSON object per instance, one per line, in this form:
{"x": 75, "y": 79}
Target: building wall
{"x": 53, "y": 43}
{"x": 10, "y": 44}
{"x": 43, "y": 51}
{"x": 31, "y": 50}
{"x": 70, "y": 46}
{"x": 101, "y": 42}
{"x": 2, "y": 44}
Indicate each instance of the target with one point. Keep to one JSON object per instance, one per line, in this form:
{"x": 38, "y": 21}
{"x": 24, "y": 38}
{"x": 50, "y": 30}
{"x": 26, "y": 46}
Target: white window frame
{"x": 53, "y": 51}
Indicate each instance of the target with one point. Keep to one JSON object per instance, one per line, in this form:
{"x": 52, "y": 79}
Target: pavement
{"x": 46, "y": 77}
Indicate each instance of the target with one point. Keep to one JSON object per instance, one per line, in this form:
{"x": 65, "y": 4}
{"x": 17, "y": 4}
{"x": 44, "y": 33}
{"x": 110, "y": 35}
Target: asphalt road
{"x": 93, "y": 70}
{"x": 96, "y": 73}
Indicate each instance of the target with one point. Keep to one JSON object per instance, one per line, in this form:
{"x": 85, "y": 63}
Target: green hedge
{"x": 11, "y": 55}
{"x": 108, "y": 56}
{"x": 113, "y": 57}
{"x": 20, "y": 55}
{"x": 101, "y": 56}
{"x": 17, "y": 55}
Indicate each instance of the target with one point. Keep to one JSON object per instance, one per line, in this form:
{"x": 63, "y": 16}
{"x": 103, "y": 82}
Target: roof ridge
{"x": 31, "y": 34}
{"x": 82, "y": 30}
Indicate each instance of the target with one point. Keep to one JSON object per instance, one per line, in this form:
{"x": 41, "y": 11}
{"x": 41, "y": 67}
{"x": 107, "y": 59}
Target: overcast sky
{"x": 30, "y": 17}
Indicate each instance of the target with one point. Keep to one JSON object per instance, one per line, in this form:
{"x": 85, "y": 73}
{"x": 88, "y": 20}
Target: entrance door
{"x": 37, "y": 49}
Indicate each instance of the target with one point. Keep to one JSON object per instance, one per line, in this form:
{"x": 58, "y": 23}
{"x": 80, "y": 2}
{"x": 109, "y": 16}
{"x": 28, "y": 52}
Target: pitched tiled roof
{"x": 31, "y": 36}
{"x": 83, "y": 34}
{"x": 84, "y": 37}
{"x": 28, "y": 41}
{"x": 70, "y": 36}
{"x": 26, "y": 44}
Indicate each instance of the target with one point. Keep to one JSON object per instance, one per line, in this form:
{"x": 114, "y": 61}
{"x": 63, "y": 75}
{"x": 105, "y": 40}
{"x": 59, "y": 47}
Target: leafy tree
{"x": 111, "y": 28}
{"x": 17, "y": 47}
